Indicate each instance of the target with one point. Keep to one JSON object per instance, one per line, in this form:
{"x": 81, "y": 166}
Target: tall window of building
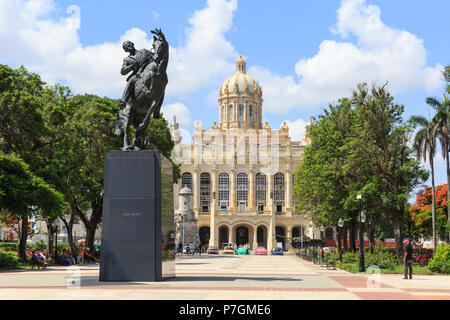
{"x": 278, "y": 191}
{"x": 250, "y": 113}
{"x": 224, "y": 191}
{"x": 205, "y": 191}
{"x": 241, "y": 113}
{"x": 292, "y": 193}
{"x": 242, "y": 191}
{"x": 186, "y": 180}
{"x": 260, "y": 189}
{"x": 230, "y": 113}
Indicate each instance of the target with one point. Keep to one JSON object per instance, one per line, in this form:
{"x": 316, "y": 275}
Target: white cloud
{"x": 52, "y": 48}
{"x": 297, "y": 129}
{"x": 381, "y": 54}
{"x": 206, "y": 55}
{"x": 181, "y": 112}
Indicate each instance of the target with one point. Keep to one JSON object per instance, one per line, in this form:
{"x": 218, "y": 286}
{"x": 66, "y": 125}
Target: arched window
{"x": 241, "y": 113}
{"x": 260, "y": 188}
{"x": 224, "y": 191}
{"x": 250, "y": 113}
{"x": 230, "y": 113}
{"x": 186, "y": 180}
{"x": 205, "y": 191}
{"x": 242, "y": 191}
{"x": 278, "y": 191}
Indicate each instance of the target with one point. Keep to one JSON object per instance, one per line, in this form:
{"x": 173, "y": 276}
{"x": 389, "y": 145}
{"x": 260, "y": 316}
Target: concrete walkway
{"x": 224, "y": 278}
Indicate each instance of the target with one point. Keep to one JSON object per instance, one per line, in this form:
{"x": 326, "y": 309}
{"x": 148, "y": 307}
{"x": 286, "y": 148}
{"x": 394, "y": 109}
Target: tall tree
{"x": 425, "y": 145}
{"x": 23, "y": 194}
{"x": 442, "y": 122}
{"x": 359, "y": 147}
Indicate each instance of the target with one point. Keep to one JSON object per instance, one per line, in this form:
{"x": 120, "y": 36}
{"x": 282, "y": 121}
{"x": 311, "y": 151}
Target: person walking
{"x": 191, "y": 248}
{"x": 408, "y": 259}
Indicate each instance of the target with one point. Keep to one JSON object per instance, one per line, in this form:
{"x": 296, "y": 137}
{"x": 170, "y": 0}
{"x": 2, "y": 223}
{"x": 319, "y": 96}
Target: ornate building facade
{"x": 241, "y": 172}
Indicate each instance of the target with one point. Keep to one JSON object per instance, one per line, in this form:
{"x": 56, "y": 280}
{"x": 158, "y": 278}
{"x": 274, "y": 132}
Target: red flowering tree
{"x": 421, "y": 211}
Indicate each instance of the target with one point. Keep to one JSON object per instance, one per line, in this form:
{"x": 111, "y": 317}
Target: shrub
{"x": 441, "y": 259}
{"x": 350, "y": 257}
{"x": 8, "y": 259}
{"x": 423, "y": 258}
{"x": 384, "y": 260}
{"x": 8, "y": 246}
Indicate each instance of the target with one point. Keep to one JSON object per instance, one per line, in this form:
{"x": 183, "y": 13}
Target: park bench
{"x": 37, "y": 264}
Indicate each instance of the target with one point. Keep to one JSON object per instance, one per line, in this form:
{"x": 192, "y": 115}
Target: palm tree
{"x": 425, "y": 143}
{"x": 442, "y": 123}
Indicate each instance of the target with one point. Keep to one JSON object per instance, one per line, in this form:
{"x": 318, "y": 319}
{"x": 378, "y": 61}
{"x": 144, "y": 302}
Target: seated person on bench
{"x": 66, "y": 259}
{"x": 36, "y": 260}
{"x": 88, "y": 256}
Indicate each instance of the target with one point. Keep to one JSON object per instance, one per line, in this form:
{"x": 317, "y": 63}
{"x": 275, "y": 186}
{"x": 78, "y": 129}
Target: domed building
{"x": 241, "y": 172}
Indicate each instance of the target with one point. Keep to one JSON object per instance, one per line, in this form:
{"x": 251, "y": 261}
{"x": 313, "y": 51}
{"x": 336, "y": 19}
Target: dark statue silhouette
{"x": 144, "y": 92}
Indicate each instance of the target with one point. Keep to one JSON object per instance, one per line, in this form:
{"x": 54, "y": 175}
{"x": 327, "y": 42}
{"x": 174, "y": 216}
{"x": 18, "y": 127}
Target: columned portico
{"x": 288, "y": 197}
{"x": 251, "y": 195}
{"x": 196, "y": 185}
{"x": 213, "y": 238}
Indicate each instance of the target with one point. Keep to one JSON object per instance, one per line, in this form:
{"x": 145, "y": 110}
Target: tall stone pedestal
{"x": 132, "y": 247}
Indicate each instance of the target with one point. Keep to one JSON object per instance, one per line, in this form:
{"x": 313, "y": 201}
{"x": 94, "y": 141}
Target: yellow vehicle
{"x": 228, "y": 249}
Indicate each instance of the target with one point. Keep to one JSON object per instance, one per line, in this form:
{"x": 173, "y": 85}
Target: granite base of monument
{"x": 133, "y": 247}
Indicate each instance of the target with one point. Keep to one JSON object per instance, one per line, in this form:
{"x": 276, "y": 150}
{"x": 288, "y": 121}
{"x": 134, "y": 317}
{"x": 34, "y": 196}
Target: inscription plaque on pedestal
{"x": 137, "y": 218}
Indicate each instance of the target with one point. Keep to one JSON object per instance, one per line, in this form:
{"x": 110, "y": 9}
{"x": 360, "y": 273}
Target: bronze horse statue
{"x": 145, "y": 90}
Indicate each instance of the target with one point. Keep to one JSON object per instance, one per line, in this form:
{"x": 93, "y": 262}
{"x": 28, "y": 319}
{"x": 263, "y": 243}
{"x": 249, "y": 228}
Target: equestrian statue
{"x": 144, "y": 93}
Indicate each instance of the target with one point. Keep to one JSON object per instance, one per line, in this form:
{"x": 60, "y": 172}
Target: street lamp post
{"x": 182, "y": 226}
{"x": 362, "y": 219}
{"x": 340, "y": 225}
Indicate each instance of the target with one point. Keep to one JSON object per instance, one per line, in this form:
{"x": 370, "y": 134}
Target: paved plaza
{"x": 222, "y": 277}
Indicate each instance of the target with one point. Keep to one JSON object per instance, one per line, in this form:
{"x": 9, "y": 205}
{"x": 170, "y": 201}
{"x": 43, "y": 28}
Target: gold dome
{"x": 240, "y": 83}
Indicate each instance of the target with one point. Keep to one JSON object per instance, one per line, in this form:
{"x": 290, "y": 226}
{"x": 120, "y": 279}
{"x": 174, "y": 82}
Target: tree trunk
{"x": 352, "y": 236}
{"x": 338, "y": 242}
{"x": 69, "y": 228}
{"x": 50, "y": 232}
{"x": 397, "y": 224}
{"x": 91, "y": 223}
{"x": 448, "y": 193}
{"x": 23, "y": 239}
{"x": 345, "y": 240}
{"x": 433, "y": 202}
{"x": 371, "y": 236}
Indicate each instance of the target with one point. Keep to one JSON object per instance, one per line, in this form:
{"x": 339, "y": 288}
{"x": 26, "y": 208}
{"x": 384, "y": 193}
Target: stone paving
{"x": 222, "y": 277}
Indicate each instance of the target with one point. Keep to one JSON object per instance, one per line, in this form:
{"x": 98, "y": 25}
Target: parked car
{"x": 276, "y": 251}
{"x": 213, "y": 250}
{"x": 228, "y": 249}
{"x": 260, "y": 250}
{"x": 243, "y": 250}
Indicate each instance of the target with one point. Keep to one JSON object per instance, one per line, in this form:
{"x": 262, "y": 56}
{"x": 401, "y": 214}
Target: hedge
{"x": 8, "y": 259}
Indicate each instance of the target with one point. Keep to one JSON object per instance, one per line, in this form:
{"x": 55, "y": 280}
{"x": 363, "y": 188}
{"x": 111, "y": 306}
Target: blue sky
{"x": 305, "y": 54}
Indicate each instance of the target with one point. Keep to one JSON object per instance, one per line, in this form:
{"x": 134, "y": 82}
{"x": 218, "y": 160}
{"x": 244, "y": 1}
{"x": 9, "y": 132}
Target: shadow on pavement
{"x": 93, "y": 280}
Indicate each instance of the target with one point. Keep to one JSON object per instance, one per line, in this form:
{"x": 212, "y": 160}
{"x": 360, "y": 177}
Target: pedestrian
{"x": 81, "y": 251}
{"x": 191, "y": 248}
{"x": 408, "y": 259}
